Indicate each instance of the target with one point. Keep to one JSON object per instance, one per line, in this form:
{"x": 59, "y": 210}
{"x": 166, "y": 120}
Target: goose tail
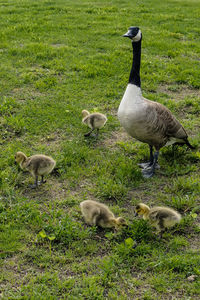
{"x": 189, "y": 145}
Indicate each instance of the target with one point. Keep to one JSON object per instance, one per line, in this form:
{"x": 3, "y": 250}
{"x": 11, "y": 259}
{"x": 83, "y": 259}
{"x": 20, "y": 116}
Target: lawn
{"x": 58, "y": 58}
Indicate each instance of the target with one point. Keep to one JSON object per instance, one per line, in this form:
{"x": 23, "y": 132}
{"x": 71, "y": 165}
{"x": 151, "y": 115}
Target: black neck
{"x": 134, "y": 77}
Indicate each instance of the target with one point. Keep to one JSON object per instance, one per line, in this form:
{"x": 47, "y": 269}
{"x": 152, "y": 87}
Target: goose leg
{"x": 149, "y": 171}
{"x": 150, "y": 162}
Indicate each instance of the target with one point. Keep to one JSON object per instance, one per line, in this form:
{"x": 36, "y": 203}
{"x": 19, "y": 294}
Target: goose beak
{"x": 127, "y": 35}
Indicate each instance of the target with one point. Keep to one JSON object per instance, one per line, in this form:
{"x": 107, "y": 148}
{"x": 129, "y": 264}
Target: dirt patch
{"x": 24, "y": 94}
{"x": 53, "y": 140}
{"x": 194, "y": 243}
{"x": 180, "y": 93}
{"x": 117, "y": 136}
{"x": 45, "y": 192}
{"x": 145, "y": 193}
{"x": 58, "y": 45}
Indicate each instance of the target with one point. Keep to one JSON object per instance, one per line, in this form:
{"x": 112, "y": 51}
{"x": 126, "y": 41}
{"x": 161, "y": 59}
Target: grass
{"x": 57, "y": 58}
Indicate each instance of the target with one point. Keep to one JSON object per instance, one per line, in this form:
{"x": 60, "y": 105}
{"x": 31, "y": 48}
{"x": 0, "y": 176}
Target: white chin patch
{"x": 137, "y": 37}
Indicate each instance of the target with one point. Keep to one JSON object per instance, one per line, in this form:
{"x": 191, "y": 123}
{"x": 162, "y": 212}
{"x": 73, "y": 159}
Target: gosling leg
{"x": 149, "y": 172}
{"x": 160, "y": 228}
{"x": 35, "y": 185}
{"x": 88, "y": 134}
{"x": 97, "y": 134}
{"x": 42, "y": 180}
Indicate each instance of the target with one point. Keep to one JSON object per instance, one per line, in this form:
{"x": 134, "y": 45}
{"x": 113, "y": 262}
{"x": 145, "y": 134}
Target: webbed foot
{"x": 148, "y": 165}
{"x": 144, "y": 165}
{"x": 33, "y": 186}
{"x": 41, "y": 182}
{"x": 148, "y": 172}
{"x": 87, "y": 134}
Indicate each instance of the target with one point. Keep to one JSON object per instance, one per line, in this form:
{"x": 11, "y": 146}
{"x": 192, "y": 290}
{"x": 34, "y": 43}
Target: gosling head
{"x": 85, "y": 113}
{"x": 141, "y": 209}
{"x": 20, "y": 157}
{"x": 133, "y": 33}
{"x": 121, "y": 221}
{"x": 118, "y": 222}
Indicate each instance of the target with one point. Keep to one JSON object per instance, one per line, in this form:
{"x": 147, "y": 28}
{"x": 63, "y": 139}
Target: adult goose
{"x": 147, "y": 121}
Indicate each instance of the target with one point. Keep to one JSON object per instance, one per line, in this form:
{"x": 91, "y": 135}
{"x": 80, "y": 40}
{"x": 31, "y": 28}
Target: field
{"x": 57, "y": 58}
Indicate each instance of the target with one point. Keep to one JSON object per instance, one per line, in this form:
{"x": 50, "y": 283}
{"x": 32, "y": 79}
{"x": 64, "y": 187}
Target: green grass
{"x": 57, "y": 58}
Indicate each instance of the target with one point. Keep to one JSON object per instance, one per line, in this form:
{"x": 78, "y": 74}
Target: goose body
{"x": 147, "y": 121}
{"x": 94, "y": 121}
{"x": 37, "y": 165}
{"x": 159, "y": 217}
{"x": 160, "y": 127}
{"x": 96, "y": 213}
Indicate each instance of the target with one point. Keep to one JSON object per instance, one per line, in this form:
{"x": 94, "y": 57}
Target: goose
{"x": 159, "y": 217}
{"x": 94, "y": 121}
{"x": 37, "y": 165}
{"x": 147, "y": 121}
{"x": 99, "y": 214}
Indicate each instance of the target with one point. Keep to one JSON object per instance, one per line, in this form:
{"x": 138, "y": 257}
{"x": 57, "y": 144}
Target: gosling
{"x": 37, "y": 165}
{"x": 94, "y": 121}
{"x": 159, "y": 217}
{"x": 96, "y": 213}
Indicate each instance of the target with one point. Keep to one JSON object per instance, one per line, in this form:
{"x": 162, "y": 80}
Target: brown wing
{"x": 165, "y": 122}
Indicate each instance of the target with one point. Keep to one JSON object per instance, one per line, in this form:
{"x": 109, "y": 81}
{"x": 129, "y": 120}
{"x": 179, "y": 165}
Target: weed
{"x": 43, "y": 235}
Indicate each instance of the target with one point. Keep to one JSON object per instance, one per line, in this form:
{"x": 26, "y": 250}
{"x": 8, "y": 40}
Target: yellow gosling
{"x": 94, "y": 121}
{"x": 37, "y": 165}
{"x": 96, "y": 213}
{"x": 159, "y": 217}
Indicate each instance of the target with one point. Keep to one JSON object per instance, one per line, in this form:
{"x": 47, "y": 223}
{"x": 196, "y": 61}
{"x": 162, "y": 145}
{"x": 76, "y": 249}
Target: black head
{"x": 134, "y": 34}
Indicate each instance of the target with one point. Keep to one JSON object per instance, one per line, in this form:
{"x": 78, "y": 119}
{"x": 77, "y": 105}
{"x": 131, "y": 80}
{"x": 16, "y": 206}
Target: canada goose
{"x": 94, "y": 121}
{"x": 159, "y": 217}
{"x": 37, "y": 165}
{"x": 147, "y": 121}
{"x": 96, "y": 213}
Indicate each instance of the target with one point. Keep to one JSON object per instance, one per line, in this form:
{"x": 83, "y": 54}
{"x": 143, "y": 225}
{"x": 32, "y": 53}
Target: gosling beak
{"x": 136, "y": 214}
{"x": 15, "y": 162}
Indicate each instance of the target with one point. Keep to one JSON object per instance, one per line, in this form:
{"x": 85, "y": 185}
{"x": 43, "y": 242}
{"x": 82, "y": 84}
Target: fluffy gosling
{"x": 37, "y": 165}
{"x": 159, "y": 217}
{"x": 94, "y": 121}
{"x": 96, "y": 213}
